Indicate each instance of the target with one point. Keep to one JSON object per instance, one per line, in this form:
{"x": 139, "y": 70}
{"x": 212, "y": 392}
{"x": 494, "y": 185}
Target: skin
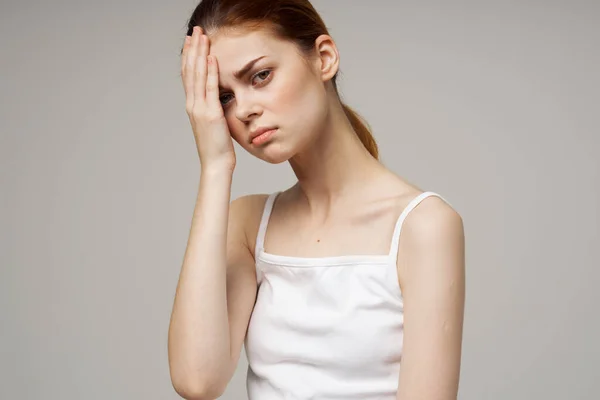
{"x": 338, "y": 180}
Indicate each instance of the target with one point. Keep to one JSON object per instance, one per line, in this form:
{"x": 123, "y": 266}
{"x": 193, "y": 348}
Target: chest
{"x": 345, "y": 317}
{"x": 361, "y": 232}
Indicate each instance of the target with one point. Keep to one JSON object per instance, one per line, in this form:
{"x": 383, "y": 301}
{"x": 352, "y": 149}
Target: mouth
{"x": 263, "y": 137}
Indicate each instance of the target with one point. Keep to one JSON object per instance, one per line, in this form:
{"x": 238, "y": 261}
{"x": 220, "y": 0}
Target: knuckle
{"x": 189, "y": 108}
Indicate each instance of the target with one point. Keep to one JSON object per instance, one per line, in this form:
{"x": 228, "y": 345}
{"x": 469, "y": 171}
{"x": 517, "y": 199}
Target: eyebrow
{"x": 246, "y": 68}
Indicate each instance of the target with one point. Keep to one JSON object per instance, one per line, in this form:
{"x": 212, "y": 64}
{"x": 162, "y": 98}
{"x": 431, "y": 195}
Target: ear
{"x": 327, "y": 57}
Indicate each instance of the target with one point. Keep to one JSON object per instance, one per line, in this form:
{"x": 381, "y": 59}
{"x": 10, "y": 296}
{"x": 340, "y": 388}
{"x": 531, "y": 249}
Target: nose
{"x": 245, "y": 108}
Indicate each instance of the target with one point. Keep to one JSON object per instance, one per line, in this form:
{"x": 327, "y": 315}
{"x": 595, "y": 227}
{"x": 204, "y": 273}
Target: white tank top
{"x": 326, "y": 328}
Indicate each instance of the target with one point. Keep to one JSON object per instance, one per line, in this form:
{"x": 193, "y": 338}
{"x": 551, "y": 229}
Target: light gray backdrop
{"x": 493, "y": 104}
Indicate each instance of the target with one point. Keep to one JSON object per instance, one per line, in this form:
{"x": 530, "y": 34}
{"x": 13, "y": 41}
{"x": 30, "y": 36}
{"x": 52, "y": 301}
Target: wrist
{"x": 217, "y": 170}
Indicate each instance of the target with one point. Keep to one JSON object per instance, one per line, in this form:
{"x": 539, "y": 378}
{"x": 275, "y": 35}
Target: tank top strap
{"x": 264, "y": 221}
{"x": 398, "y": 227}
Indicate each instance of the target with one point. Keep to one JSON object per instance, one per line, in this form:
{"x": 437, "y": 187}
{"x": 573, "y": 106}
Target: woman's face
{"x": 280, "y": 90}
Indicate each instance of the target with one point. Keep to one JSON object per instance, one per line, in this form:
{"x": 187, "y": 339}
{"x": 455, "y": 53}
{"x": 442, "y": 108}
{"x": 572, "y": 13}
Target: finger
{"x": 184, "y": 51}
{"x": 190, "y": 67}
{"x": 212, "y": 85}
{"x": 201, "y": 71}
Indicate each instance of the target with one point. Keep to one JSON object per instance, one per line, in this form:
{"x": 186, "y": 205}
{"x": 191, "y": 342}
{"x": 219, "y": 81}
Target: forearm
{"x": 199, "y": 335}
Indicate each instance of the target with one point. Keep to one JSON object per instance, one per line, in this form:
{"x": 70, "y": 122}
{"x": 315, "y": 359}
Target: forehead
{"x": 233, "y": 49}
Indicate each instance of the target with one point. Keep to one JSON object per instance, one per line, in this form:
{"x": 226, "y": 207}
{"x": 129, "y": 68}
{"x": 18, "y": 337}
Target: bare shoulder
{"x": 249, "y": 203}
{"x": 431, "y": 241}
{"x": 433, "y": 218}
{"x": 246, "y": 211}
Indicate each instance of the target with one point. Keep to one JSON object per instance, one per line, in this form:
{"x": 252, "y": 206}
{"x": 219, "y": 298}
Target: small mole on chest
{"x": 318, "y": 240}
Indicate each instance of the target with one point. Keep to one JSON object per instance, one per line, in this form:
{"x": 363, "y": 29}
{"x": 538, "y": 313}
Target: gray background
{"x": 494, "y": 105}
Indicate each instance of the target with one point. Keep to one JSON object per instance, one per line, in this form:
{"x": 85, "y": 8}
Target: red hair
{"x": 296, "y": 21}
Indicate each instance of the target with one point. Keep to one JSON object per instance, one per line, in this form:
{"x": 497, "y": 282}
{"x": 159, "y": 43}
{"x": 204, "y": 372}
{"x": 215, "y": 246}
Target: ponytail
{"x": 362, "y": 130}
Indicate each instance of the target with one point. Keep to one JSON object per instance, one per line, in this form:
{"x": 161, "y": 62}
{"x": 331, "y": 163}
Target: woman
{"x": 330, "y": 301}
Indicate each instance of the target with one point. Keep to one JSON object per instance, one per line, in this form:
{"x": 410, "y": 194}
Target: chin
{"x": 274, "y": 158}
{"x": 274, "y": 153}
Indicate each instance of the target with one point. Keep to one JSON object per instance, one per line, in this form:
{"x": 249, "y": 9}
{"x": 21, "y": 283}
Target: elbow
{"x": 196, "y": 390}
{"x": 193, "y": 380}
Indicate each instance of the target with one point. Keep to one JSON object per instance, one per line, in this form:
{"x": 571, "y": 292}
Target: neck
{"x": 336, "y": 166}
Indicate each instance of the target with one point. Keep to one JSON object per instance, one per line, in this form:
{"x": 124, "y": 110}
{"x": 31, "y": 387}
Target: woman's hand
{"x": 201, "y": 83}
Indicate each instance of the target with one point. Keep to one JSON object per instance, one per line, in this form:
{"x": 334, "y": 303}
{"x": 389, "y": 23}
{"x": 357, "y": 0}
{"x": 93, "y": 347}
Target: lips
{"x": 256, "y": 133}
{"x": 264, "y": 137}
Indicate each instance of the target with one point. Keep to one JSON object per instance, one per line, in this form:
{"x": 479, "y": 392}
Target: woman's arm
{"x": 431, "y": 269}
{"x": 215, "y": 293}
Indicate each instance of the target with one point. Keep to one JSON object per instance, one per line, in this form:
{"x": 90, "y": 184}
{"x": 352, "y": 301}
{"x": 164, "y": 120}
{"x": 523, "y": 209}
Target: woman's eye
{"x": 262, "y": 74}
{"x": 222, "y": 102}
